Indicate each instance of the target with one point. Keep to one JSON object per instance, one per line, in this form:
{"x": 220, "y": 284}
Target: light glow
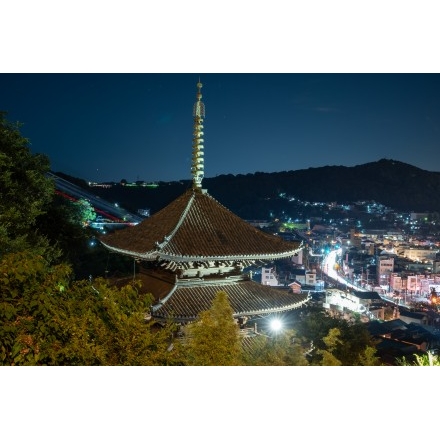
{"x": 276, "y": 325}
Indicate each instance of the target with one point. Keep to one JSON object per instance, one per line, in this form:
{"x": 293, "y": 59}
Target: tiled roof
{"x": 185, "y": 299}
{"x": 414, "y": 315}
{"x": 246, "y": 297}
{"x": 196, "y": 227}
{"x": 253, "y": 342}
{"x": 366, "y": 295}
{"x": 377, "y": 328}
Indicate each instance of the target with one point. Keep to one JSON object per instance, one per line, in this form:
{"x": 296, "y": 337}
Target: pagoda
{"x": 196, "y": 247}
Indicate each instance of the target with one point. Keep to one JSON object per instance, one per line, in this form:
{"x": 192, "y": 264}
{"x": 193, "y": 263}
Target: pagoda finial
{"x": 197, "y": 168}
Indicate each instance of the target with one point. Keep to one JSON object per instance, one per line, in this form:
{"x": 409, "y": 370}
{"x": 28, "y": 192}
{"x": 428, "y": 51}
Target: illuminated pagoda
{"x": 195, "y": 247}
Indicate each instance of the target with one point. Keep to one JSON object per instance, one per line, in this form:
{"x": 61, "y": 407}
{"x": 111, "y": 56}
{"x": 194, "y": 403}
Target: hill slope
{"x": 395, "y": 184}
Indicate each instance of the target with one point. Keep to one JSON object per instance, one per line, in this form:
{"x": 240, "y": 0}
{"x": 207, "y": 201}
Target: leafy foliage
{"x": 49, "y": 320}
{"x": 86, "y": 211}
{"x": 345, "y": 341}
{"x": 61, "y": 225}
{"x": 214, "y": 338}
{"x": 421, "y": 360}
{"x": 25, "y": 192}
{"x": 368, "y": 358}
{"x": 331, "y": 342}
{"x": 281, "y": 350}
{"x": 29, "y": 290}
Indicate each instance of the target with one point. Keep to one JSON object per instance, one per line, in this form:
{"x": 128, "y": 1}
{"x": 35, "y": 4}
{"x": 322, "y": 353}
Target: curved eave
{"x": 155, "y": 255}
{"x": 143, "y": 256}
{"x": 157, "y": 315}
{"x": 251, "y": 257}
{"x": 247, "y": 298}
{"x": 273, "y": 310}
{"x": 267, "y": 311}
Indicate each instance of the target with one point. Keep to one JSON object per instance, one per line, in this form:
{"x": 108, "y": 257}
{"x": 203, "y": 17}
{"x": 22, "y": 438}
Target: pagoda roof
{"x": 247, "y": 298}
{"x": 183, "y": 299}
{"x": 196, "y": 227}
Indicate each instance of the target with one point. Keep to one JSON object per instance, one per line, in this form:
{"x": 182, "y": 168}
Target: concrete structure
{"x": 384, "y": 269}
{"x": 269, "y": 276}
{"x": 420, "y": 253}
{"x": 346, "y": 301}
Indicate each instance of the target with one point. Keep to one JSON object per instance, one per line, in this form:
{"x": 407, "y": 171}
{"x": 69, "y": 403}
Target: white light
{"x": 276, "y": 325}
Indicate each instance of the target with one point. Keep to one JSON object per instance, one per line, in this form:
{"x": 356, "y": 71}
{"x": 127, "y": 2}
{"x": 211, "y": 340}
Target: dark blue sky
{"x": 105, "y": 127}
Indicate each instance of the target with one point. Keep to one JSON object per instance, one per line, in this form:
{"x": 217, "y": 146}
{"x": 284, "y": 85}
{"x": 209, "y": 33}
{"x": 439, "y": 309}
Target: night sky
{"x": 108, "y": 127}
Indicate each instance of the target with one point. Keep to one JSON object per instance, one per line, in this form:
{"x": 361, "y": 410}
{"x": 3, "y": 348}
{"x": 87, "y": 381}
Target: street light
{"x": 276, "y": 325}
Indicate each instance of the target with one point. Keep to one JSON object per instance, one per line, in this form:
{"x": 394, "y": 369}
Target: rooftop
{"x": 196, "y": 227}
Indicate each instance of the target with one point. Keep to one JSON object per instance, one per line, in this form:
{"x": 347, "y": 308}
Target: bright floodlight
{"x": 275, "y": 325}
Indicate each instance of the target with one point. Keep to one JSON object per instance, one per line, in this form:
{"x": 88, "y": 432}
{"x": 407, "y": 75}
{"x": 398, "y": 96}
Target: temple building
{"x": 196, "y": 247}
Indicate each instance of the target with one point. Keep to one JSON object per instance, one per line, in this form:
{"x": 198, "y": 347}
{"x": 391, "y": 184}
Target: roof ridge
{"x": 168, "y": 237}
{"x": 164, "y": 300}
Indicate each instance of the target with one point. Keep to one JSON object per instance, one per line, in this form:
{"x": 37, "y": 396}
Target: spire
{"x": 197, "y": 168}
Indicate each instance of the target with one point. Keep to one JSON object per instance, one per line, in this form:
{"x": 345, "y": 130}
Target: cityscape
{"x": 389, "y": 275}
{"x": 319, "y": 283}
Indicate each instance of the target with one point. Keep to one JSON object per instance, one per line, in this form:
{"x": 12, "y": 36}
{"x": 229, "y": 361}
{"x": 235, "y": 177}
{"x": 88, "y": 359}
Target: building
{"x": 269, "y": 276}
{"x": 369, "y": 303}
{"x": 298, "y": 258}
{"x": 304, "y": 276}
{"x": 420, "y": 253}
{"x": 399, "y": 338}
{"x": 384, "y": 269}
{"x": 195, "y": 247}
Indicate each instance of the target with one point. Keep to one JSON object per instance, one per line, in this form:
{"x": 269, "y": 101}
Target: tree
{"x": 29, "y": 289}
{"x": 62, "y": 226}
{"x": 368, "y": 358}
{"x": 112, "y": 329}
{"x": 421, "y": 360}
{"x": 25, "y": 192}
{"x": 281, "y": 350}
{"x": 354, "y": 337}
{"x": 214, "y": 338}
{"x": 86, "y": 211}
{"x": 46, "y": 319}
{"x": 331, "y": 342}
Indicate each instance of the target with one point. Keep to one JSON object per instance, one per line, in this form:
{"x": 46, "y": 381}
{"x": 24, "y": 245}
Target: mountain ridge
{"x": 397, "y": 185}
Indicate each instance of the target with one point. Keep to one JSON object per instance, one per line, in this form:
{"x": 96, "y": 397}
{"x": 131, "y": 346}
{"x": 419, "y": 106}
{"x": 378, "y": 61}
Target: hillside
{"x": 395, "y": 184}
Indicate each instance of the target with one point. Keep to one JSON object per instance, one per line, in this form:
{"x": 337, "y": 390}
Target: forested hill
{"x": 395, "y": 184}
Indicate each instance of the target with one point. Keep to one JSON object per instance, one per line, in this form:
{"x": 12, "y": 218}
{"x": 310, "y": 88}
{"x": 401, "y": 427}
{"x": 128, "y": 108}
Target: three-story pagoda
{"x": 196, "y": 247}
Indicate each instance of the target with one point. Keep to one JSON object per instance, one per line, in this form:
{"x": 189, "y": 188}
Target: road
{"x": 113, "y": 209}
{"x": 328, "y": 268}
{"x": 401, "y": 300}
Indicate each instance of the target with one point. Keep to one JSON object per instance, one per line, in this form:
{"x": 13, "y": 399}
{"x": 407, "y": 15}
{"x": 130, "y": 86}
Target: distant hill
{"x": 397, "y": 185}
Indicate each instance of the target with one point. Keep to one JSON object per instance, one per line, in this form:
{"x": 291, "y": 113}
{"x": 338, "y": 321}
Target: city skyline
{"x": 108, "y": 127}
